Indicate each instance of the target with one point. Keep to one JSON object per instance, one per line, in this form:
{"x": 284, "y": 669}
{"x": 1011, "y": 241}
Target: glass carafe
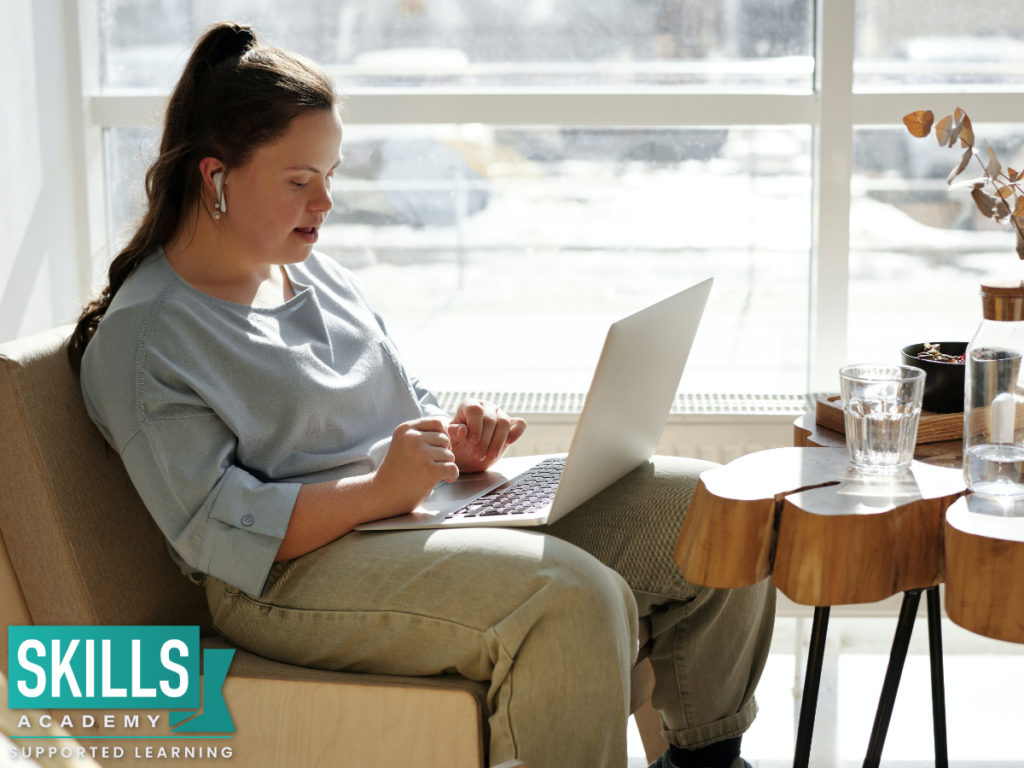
{"x": 994, "y": 396}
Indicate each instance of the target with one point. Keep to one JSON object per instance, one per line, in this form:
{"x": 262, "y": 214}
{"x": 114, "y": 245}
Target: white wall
{"x": 39, "y": 264}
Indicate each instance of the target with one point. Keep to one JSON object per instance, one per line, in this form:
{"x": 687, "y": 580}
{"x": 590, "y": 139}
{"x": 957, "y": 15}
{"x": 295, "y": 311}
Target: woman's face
{"x": 277, "y": 202}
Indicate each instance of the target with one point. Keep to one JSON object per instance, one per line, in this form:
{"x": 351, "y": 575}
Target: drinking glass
{"x": 881, "y": 406}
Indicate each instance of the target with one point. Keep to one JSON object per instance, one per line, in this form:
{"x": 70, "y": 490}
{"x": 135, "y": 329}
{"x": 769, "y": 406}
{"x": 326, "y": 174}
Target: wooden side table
{"x": 985, "y": 568}
{"x": 827, "y": 537}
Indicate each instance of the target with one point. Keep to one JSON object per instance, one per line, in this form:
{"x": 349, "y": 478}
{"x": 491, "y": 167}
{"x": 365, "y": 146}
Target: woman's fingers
{"x": 499, "y": 436}
{"x": 431, "y": 435}
{"x": 472, "y": 413}
{"x": 480, "y": 432}
{"x": 516, "y": 430}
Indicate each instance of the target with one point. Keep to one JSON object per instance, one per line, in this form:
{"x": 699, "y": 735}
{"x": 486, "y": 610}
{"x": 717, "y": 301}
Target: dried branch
{"x": 1007, "y": 200}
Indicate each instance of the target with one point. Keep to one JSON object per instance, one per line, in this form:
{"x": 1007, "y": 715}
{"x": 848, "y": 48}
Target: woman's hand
{"x": 419, "y": 457}
{"x": 480, "y": 432}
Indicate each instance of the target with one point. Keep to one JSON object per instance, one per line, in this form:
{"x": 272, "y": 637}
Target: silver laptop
{"x": 622, "y": 420}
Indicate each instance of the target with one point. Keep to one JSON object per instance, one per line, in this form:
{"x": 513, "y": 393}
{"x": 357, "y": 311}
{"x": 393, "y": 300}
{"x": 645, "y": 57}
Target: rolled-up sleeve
{"x": 218, "y": 518}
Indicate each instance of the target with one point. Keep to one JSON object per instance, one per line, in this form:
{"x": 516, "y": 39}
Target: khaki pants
{"x": 548, "y": 617}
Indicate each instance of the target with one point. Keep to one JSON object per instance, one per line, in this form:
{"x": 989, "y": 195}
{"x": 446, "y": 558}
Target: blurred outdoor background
{"x": 499, "y": 253}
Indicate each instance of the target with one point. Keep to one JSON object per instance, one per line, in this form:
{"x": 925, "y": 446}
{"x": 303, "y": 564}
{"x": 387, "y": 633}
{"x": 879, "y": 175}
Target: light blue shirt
{"x": 220, "y": 411}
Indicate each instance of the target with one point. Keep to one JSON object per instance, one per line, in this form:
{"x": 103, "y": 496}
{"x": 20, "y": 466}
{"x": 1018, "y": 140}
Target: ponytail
{"x": 233, "y": 96}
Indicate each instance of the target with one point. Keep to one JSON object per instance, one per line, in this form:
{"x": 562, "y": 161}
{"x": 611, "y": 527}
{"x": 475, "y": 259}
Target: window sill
{"x": 686, "y": 404}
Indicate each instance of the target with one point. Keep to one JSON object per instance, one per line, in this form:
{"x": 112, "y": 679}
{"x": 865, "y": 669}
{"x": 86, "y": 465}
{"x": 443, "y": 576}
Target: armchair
{"x": 78, "y": 547}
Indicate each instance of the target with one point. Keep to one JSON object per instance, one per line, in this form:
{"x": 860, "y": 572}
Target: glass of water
{"x": 882, "y": 406}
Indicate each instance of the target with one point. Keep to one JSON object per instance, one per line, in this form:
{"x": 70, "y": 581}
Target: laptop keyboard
{"x": 529, "y": 491}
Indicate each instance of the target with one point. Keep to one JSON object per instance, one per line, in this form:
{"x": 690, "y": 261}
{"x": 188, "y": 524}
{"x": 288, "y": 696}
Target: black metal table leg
{"x": 812, "y": 682}
{"x": 897, "y": 656}
{"x": 938, "y": 682}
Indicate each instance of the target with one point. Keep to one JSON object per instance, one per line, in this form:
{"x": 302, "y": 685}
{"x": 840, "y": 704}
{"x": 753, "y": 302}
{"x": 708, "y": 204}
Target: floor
{"x": 984, "y": 708}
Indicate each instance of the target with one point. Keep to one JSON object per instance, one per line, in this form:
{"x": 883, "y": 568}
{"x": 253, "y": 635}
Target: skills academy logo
{"x": 132, "y": 668}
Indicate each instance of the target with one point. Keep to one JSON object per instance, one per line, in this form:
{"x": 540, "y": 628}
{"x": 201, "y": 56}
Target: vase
{"x": 993, "y": 456}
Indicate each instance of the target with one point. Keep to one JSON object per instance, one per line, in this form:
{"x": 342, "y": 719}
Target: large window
{"x": 917, "y": 249}
{"x": 485, "y": 43}
{"x": 518, "y": 174}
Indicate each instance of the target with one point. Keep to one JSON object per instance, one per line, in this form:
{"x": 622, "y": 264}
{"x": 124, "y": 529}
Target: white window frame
{"x": 832, "y": 109}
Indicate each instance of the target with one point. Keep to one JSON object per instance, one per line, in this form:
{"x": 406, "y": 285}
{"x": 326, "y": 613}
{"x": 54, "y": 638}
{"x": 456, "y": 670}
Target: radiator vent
{"x": 685, "y": 403}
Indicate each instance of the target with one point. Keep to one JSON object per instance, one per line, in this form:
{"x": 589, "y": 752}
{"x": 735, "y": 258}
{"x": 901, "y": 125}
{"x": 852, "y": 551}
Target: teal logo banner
{"x": 119, "y": 667}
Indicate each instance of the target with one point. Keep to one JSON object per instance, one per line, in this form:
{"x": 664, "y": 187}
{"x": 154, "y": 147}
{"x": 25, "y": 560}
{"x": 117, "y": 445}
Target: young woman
{"x": 262, "y": 413}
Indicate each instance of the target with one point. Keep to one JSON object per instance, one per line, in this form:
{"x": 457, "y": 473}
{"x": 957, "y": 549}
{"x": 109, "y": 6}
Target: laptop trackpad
{"x": 448, "y": 496}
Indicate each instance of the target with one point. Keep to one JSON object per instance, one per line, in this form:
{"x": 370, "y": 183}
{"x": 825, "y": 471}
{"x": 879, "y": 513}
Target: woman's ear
{"x": 208, "y": 168}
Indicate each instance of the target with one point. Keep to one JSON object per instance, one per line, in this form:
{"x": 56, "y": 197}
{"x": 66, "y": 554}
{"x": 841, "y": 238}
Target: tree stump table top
{"x": 827, "y": 535}
{"x": 984, "y": 549}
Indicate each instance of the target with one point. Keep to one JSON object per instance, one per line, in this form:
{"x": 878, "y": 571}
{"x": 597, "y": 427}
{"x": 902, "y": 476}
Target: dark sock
{"x": 717, "y": 755}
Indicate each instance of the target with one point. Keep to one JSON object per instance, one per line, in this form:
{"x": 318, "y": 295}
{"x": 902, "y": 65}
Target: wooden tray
{"x": 932, "y": 428}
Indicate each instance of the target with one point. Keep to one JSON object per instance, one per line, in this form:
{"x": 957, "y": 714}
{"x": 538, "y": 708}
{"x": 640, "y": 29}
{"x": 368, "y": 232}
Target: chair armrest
{"x": 318, "y": 717}
{"x": 305, "y": 723}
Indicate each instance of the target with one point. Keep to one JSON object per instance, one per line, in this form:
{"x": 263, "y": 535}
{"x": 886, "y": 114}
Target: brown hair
{"x": 233, "y": 96}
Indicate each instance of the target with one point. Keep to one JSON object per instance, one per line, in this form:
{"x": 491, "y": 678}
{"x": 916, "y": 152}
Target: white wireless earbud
{"x": 220, "y": 207}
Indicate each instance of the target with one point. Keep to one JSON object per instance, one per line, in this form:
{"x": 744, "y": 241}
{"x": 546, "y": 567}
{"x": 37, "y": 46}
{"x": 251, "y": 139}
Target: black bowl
{"x": 943, "y": 382}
